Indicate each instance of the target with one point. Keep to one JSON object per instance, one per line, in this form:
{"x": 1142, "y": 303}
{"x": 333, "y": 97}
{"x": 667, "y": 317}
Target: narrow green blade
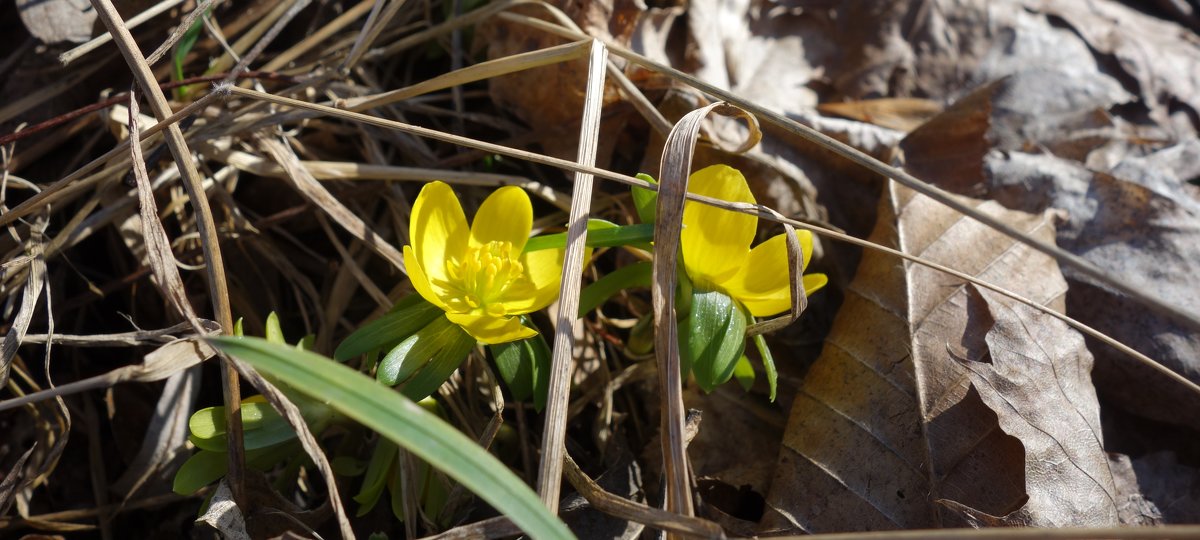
{"x": 404, "y": 422}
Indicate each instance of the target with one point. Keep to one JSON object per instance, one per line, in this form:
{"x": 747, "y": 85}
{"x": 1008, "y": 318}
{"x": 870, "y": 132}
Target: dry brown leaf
{"x": 888, "y": 430}
{"x": 1035, "y": 375}
{"x": 901, "y": 114}
{"x": 55, "y": 21}
{"x": 1128, "y": 213}
{"x": 548, "y": 98}
{"x": 1161, "y": 56}
{"x": 1135, "y": 507}
{"x": 1143, "y": 230}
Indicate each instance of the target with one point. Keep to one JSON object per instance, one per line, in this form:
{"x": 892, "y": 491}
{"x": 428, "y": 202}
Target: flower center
{"x": 482, "y": 276}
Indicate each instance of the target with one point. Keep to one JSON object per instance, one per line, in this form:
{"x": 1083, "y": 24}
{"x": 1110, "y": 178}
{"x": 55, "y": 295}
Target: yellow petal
{"x": 715, "y": 241}
{"x": 491, "y": 330}
{"x": 420, "y": 282}
{"x": 814, "y": 282}
{"x": 544, "y": 268}
{"x": 762, "y": 283}
{"x": 505, "y": 216}
{"x": 805, "y": 238}
{"x": 438, "y": 229}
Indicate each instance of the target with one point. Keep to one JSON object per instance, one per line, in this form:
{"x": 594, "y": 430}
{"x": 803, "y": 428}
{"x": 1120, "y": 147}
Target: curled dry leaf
{"x": 1141, "y": 230}
{"x": 1043, "y": 139}
{"x": 1034, "y": 375}
{"x": 892, "y": 430}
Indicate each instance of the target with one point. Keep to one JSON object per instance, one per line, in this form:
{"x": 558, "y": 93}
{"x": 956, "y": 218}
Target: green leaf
{"x": 347, "y": 466}
{"x": 395, "y": 487}
{"x": 408, "y": 315}
{"x": 379, "y": 469}
{"x": 525, "y": 367}
{"x": 768, "y": 362}
{"x": 644, "y": 200}
{"x": 262, "y": 425}
{"x": 641, "y": 336}
{"x": 182, "y": 48}
{"x": 639, "y": 274}
{"x": 744, "y": 373}
{"x": 438, "y": 370}
{"x": 377, "y": 407}
{"x": 200, "y": 470}
{"x": 600, "y": 234}
{"x": 273, "y": 332}
{"x": 426, "y": 359}
{"x": 206, "y": 467}
{"x": 514, "y": 362}
{"x": 712, "y": 338}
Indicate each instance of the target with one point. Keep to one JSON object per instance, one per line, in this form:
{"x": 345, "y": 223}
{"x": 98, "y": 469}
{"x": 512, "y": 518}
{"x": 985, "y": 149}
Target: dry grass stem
{"x": 674, "y": 170}
{"x": 133, "y": 22}
{"x": 615, "y": 506}
{"x": 567, "y": 322}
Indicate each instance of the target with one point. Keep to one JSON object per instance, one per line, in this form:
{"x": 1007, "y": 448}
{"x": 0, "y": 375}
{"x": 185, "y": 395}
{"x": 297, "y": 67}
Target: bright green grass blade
{"x": 639, "y": 274}
{"x": 404, "y": 422}
{"x": 597, "y": 236}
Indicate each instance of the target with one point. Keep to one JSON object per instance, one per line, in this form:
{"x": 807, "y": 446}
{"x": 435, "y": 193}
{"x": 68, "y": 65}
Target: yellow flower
{"x": 716, "y": 247}
{"x": 479, "y": 275}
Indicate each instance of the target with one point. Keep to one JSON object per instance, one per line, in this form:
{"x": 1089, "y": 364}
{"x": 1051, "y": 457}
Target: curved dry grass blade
{"x": 158, "y": 246}
{"x": 160, "y": 364}
{"x": 20, "y": 325}
{"x": 613, "y": 505}
{"x": 799, "y": 295}
{"x": 209, "y": 241}
{"x": 183, "y": 158}
{"x": 13, "y": 479}
{"x": 567, "y": 320}
{"x": 474, "y": 73}
{"x": 673, "y": 178}
{"x": 312, "y": 190}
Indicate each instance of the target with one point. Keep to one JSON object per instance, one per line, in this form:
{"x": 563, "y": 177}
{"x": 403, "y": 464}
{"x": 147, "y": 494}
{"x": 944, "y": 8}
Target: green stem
{"x": 638, "y": 274}
{"x": 598, "y": 236}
